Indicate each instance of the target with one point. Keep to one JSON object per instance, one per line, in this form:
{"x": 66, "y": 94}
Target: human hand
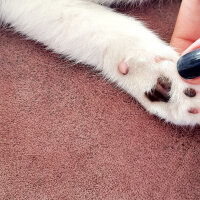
{"x": 187, "y": 31}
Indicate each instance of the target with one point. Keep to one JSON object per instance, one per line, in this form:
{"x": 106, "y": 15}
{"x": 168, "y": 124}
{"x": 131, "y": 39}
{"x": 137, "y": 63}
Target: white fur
{"x": 95, "y": 35}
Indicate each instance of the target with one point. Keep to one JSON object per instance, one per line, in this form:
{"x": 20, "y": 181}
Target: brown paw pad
{"x": 190, "y": 92}
{"x": 160, "y": 92}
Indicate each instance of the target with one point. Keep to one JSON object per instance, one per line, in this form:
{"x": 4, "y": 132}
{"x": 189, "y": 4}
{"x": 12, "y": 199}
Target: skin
{"x": 186, "y": 36}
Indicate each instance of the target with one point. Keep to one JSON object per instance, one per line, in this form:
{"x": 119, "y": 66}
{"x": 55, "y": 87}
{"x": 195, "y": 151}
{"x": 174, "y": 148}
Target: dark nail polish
{"x": 189, "y": 65}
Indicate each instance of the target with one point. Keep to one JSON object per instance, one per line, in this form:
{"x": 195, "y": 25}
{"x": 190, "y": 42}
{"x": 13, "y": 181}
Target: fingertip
{"x": 195, "y": 81}
{"x": 192, "y": 47}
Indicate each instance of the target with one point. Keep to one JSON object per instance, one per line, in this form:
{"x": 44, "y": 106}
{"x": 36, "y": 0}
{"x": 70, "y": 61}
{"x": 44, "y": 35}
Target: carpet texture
{"x": 67, "y": 134}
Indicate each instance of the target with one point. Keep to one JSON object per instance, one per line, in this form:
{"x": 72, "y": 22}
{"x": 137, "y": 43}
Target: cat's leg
{"x": 97, "y": 36}
{"x": 109, "y": 2}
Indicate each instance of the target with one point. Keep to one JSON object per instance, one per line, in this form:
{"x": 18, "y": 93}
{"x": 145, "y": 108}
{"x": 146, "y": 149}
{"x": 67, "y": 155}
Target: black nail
{"x": 189, "y": 65}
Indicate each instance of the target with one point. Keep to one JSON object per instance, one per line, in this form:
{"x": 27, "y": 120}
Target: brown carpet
{"x": 66, "y": 134}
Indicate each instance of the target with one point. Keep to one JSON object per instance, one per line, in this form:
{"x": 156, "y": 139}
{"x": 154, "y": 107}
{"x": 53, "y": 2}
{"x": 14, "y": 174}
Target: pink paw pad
{"x": 193, "y": 110}
{"x": 159, "y": 59}
{"x": 123, "y": 68}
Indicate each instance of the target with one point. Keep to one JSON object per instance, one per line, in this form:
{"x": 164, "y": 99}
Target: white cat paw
{"x": 154, "y": 81}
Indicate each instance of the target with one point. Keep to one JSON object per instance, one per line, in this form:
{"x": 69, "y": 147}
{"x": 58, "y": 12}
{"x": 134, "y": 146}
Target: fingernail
{"x": 189, "y": 65}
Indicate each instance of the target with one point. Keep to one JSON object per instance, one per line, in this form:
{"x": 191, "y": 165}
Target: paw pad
{"x": 123, "y": 68}
{"x": 159, "y": 59}
{"x": 190, "y": 92}
{"x": 160, "y": 92}
{"x": 193, "y": 111}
